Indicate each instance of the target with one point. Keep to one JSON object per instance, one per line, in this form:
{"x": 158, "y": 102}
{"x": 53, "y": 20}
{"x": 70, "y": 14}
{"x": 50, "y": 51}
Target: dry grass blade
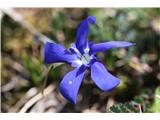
{"x": 36, "y": 98}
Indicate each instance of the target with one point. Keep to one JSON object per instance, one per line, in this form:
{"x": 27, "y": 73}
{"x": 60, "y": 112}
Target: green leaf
{"x": 130, "y": 107}
{"x": 34, "y": 66}
{"x": 156, "y": 104}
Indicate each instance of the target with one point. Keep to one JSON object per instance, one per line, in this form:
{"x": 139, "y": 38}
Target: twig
{"x": 10, "y": 85}
{"x": 46, "y": 77}
{"x": 140, "y": 108}
{"x": 28, "y": 95}
{"x": 19, "y": 18}
{"x": 16, "y": 66}
{"x": 36, "y": 98}
{"x": 46, "y": 73}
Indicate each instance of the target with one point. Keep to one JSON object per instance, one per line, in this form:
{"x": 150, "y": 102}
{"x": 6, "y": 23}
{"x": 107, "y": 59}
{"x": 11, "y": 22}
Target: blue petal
{"x": 82, "y": 33}
{"x": 109, "y": 45}
{"x": 102, "y": 78}
{"x": 70, "y": 84}
{"x": 56, "y": 53}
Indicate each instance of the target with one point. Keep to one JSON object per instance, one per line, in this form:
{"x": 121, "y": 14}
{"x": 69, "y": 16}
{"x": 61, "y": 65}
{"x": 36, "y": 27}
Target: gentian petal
{"x": 56, "y": 53}
{"x": 82, "y": 33}
{"x": 109, "y": 45}
{"x": 70, "y": 84}
{"x": 102, "y": 78}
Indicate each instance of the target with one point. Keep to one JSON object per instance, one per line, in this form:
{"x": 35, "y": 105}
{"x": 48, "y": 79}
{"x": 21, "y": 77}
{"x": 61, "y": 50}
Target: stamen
{"x": 85, "y": 59}
{"x": 81, "y": 59}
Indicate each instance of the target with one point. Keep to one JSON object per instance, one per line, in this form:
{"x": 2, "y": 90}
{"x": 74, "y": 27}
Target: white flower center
{"x": 81, "y": 59}
{"x": 85, "y": 58}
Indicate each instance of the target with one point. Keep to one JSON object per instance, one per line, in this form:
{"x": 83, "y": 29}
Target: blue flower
{"x": 82, "y": 56}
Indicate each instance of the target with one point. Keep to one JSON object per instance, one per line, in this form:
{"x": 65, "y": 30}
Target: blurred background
{"x": 24, "y": 75}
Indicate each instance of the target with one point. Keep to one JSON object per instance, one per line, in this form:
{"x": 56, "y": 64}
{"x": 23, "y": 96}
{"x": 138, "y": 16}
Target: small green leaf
{"x": 130, "y": 107}
{"x": 156, "y": 104}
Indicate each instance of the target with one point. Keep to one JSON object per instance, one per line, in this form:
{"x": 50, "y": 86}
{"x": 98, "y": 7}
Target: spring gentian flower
{"x": 82, "y": 55}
